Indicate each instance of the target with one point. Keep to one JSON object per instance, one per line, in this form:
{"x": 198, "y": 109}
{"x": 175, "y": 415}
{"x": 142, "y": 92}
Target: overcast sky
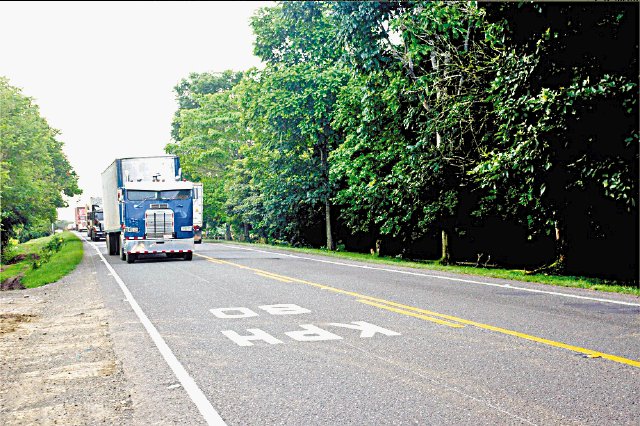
{"x": 103, "y": 72}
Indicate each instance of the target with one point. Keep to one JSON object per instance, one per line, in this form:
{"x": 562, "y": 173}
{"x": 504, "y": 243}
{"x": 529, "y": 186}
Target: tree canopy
{"x": 452, "y": 130}
{"x": 34, "y": 171}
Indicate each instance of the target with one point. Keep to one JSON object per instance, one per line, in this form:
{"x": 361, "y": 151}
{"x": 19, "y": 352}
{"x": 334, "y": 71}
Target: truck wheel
{"x": 123, "y": 255}
{"x": 131, "y": 257}
{"x": 188, "y": 256}
{"x": 110, "y": 244}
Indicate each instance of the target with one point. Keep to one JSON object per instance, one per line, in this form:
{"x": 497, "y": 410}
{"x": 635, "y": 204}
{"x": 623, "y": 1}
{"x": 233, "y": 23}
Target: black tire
{"x": 131, "y": 257}
{"x": 117, "y": 243}
{"x": 123, "y": 255}
{"x": 188, "y": 256}
{"x": 110, "y": 244}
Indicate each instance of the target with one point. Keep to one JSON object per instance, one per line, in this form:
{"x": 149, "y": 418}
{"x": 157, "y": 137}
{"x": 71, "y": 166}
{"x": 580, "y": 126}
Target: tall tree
{"x": 434, "y": 61}
{"x": 294, "y": 106}
{"x": 34, "y": 171}
{"x": 197, "y": 84}
{"x": 209, "y": 137}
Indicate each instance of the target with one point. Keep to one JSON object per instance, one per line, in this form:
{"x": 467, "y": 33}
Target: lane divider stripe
{"x": 273, "y": 277}
{"x": 411, "y": 314}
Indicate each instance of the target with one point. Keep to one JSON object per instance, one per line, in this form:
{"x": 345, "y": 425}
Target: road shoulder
{"x": 57, "y": 356}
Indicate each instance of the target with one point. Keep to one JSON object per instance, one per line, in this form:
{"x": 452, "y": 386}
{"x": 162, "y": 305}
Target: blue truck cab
{"x": 147, "y": 208}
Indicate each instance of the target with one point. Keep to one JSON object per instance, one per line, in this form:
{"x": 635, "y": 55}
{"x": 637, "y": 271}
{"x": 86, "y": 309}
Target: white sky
{"x": 103, "y": 72}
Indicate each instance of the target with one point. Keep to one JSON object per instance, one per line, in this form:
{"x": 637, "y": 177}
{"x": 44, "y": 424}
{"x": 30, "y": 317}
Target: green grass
{"x": 60, "y": 264}
{"x": 596, "y": 284}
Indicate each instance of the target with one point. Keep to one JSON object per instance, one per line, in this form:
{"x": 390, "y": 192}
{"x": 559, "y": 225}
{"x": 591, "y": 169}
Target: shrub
{"x": 8, "y": 253}
{"x": 30, "y": 234}
{"x": 53, "y": 246}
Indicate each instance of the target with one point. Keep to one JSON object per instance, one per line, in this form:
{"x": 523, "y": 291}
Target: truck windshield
{"x": 99, "y": 216}
{"x": 141, "y": 195}
{"x": 178, "y": 194}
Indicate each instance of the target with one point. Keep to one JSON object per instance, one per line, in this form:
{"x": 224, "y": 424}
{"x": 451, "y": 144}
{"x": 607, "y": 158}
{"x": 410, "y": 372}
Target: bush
{"x": 8, "y": 253}
{"x": 30, "y": 234}
{"x": 53, "y": 246}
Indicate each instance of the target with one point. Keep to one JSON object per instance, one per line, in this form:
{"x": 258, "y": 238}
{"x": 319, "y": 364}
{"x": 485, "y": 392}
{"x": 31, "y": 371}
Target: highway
{"x": 243, "y": 335}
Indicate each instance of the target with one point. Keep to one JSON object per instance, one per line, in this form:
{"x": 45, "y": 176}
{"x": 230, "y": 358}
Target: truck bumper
{"x": 158, "y": 246}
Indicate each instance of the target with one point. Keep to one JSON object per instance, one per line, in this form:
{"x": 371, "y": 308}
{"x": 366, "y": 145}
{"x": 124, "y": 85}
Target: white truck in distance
{"x": 197, "y": 212}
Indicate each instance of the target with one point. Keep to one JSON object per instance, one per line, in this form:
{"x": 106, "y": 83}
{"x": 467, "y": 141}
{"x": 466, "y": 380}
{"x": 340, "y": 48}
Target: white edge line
{"x": 209, "y": 413}
{"x": 508, "y": 286}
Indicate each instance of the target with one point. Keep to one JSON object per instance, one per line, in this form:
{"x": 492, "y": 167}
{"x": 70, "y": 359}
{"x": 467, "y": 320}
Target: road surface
{"x": 249, "y": 336}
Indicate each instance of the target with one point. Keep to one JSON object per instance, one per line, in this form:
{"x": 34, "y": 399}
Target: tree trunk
{"x": 331, "y": 245}
{"x": 246, "y": 232}
{"x": 560, "y": 263}
{"x": 227, "y": 233}
{"x": 324, "y": 160}
{"x": 561, "y": 246}
{"x": 446, "y": 254}
{"x": 379, "y": 251}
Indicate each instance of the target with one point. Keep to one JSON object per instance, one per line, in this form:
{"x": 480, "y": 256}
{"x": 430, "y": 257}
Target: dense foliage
{"x": 487, "y": 133}
{"x": 34, "y": 171}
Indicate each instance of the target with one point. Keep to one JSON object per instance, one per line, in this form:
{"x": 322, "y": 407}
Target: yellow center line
{"x": 411, "y": 314}
{"x": 274, "y": 277}
{"x": 427, "y": 315}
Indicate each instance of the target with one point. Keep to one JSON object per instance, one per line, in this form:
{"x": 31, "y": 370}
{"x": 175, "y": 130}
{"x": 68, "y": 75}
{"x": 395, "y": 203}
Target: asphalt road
{"x": 266, "y": 337}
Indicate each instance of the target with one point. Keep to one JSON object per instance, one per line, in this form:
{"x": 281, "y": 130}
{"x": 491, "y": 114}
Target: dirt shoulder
{"x": 57, "y": 360}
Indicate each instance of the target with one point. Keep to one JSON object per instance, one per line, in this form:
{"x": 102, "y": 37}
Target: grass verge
{"x": 60, "y": 264}
{"x": 596, "y": 284}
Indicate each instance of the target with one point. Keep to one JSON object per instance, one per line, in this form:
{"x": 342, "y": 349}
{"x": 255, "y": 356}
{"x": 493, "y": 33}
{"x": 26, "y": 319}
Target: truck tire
{"x": 123, "y": 255}
{"x": 131, "y": 257}
{"x": 110, "y": 244}
{"x": 188, "y": 256}
{"x": 116, "y": 242}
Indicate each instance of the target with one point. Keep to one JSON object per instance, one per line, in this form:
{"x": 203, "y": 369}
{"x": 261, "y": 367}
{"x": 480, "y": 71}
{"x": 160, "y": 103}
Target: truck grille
{"x": 158, "y": 223}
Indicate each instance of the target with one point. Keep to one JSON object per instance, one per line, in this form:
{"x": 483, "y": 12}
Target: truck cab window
{"x": 179, "y": 194}
{"x": 140, "y": 195}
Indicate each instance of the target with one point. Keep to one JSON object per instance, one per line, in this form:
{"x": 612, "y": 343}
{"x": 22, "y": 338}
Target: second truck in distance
{"x": 95, "y": 219}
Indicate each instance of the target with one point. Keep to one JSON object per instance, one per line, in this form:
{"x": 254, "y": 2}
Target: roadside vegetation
{"x": 498, "y": 133}
{"x": 40, "y": 261}
{"x": 596, "y": 284}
